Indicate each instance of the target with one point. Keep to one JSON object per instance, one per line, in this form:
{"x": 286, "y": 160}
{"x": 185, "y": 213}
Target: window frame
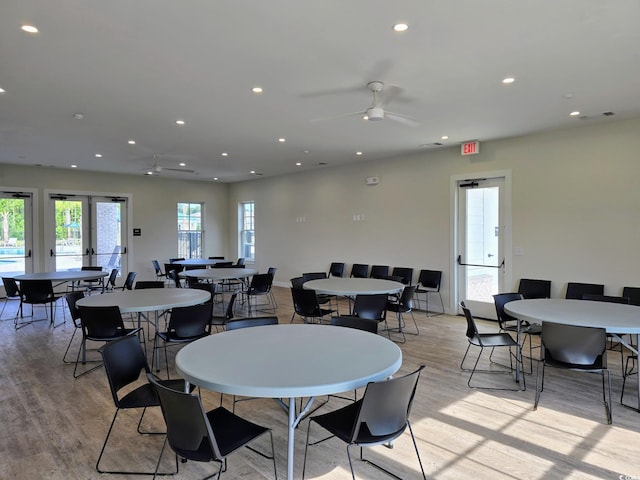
{"x": 247, "y": 228}
{"x": 185, "y": 243}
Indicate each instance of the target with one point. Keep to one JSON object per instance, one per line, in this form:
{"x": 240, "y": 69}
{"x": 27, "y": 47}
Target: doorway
{"x": 482, "y": 264}
{"x": 16, "y": 233}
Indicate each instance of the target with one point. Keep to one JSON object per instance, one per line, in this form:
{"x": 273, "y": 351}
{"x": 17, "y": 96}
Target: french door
{"x": 482, "y": 226}
{"x": 88, "y": 230}
{"x": 16, "y": 233}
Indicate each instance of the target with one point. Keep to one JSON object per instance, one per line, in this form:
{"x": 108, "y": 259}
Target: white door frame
{"x": 453, "y": 242}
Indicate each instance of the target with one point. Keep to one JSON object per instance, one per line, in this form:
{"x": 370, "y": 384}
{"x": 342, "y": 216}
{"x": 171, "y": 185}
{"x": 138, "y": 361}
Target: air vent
{"x": 322, "y": 164}
{"x": 434, "y": 144}
{"x": 608, "y": 114}
{"x": 591, "y": 117}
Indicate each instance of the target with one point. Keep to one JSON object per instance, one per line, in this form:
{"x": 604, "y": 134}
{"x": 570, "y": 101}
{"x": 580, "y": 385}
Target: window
{"x": 190, "y": 233}
{"x": 247, "y": 245}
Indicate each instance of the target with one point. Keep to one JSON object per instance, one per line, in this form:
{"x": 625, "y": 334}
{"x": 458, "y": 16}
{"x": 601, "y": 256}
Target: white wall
{"x": 154, "y": 202}
{"x": 575, "y": 209}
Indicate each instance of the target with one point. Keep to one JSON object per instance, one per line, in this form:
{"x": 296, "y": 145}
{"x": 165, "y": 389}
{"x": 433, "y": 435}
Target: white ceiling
{"x": 133, "y": 67}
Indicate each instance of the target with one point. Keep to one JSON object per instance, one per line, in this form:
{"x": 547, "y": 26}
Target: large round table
{"x": 63, "y": 276}
{"x": 350, "y": 287}
{"x": 147, "y": 299}
{"x": 288, "y": 361}
{"x": 217, "y": 274}
{"x": 617, "y": 319}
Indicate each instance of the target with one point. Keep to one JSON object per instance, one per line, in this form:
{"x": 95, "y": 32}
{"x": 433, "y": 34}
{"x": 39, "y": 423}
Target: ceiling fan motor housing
{"x": 375, "y": 113}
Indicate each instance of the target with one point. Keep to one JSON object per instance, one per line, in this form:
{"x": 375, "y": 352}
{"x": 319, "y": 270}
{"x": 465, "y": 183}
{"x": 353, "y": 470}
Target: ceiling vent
{"x": 591, "y": 117}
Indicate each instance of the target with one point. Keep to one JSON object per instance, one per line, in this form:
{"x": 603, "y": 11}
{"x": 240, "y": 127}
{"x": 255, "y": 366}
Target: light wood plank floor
{"x": 52, "y": 425}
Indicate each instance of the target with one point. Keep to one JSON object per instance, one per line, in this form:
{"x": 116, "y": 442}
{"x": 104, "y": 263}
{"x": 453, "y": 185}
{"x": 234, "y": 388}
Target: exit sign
{"x": 470, "y": 148}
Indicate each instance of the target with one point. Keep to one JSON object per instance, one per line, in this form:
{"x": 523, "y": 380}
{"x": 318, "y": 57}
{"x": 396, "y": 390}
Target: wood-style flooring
{"x": 52, "y": 425}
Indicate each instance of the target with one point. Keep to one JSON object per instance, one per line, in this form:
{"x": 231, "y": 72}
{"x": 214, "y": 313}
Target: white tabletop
{"x": 147, "y": 299}
{"x": 63, "y": 276}
{"x": 219, "y": 273}
{"x": 288, "y": 360}
{"x": 353, "y": 286}
{"x": 199, "y": 262}
{"x": 613, "y": 317}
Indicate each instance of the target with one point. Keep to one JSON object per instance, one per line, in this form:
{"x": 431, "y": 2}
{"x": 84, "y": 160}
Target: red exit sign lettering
{"x": 470, "y": 148}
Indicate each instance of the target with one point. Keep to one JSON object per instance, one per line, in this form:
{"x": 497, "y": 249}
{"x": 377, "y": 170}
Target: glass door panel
{"x": 71, "y": 233}
{"x": 106, "y": 229}
{"x": 16, "y": 213}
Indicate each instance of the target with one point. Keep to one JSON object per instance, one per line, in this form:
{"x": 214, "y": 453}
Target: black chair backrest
{"x": 356, "y": 322}
{"x": 156, "y": 267}
{"x": 430, "y": 279}
{"x": 190, "y": 322}
{"x": 71, "y": 298}
{"x": 128, "y": 282}
{"x": 405, "y": 273}
{"x": 217, "y": 258}
{"x": 260, "y": 283}
{"x": 313, "y": 276}
{"x": 378, "y": 271}
{"x": 296, "y": 282}
{"x": 533, "y": 288}
{"x": 371, "y": 307}
{"x": 572, "y": 346}
{"x": 576, "y": 290}
{"x": 124, "y": 360}
{"x": 111, "y": 282}
{"x": 500, "y": 300}
{"x": 36, "y": 291}
{"x": 188, "y": 430}
{"x": 359, "y": 270}
{"x": 179, "y": 259}
{"x": 605, "y": 298}
{"x": 336, "y": 269}
{"x": 173, "y": 275}
{"x": 101, "y": 322}
{"x": 305, "y": 302}
{"x": 91, "y": 268}
{"x": 229, "y": 312}
{"x": 142, "y": 284}
{"x": 207, "y": 287}
{"x": 11, "y": 287}
{"x": 272, "y": 271}
{"x": 385, "y": 407}
{"x": 472, "y": 329}
{"x": 240, "y": 262}
{"x": 406, "y": 297}
{"x": 251, "y": 322}
{"x": 224, "y": 265}
{"x": 633, "y": 294}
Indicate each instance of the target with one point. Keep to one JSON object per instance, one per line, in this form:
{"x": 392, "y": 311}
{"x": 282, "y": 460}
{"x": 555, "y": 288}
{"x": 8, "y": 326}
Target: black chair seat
{"x": 494, "y": 340}
{"x": 232, "y": 431}
{"x": 169, "y": 337}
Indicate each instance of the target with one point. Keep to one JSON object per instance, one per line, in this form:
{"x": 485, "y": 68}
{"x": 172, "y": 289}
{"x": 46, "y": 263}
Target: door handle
{"x": 490, "y": 255}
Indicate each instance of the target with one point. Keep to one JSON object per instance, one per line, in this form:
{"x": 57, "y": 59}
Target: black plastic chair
{"x": 260, "y": 286}
{"x": 379, "y": 417}
{"x": 194, "y": 434}
{"x": 359, "y": 270}
{"x": 379, "y": 271}
{"x": 37, "y": 292}
{"x": 124, "y": 362}
{"x": 251, "y": 322}
{"x": 142, "y": 284}
{"x": 372, "y": 307}
{"x": 405, "y": 274}
{"x": 306, "y": 305}
{"x": 488, "y": 340}
{"x": 510, "y": 324}
{"x": 100, "y": 324}
{"x": 158, "y": 269}
{"x": 71, "y": 298}
{"x": 218, "y": 321}
{"x": 358, "y": 323}
{"x": 402, "y": 306}
{"x": 90, "y": 285}
{"x": 336, "y": 269}
{"x": 633, "y": 294}
{"x": 296, "y": 282}
{"x": 186, "y": 324}
{"x": 12, "y": 292}
{"x": 533, "y": 288}
{"x": 429, "y": 283}
{"x": 580, "y": 349}
{"x": 128, "y": 282}
{"x": 111, "y": 281}
{"x": 576, "y": 290}
{"x": 323, "y": 299}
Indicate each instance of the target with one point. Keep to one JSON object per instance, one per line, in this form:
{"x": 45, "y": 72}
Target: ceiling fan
{"x": 382, "y": 96}
{"x": 156, "y": 168}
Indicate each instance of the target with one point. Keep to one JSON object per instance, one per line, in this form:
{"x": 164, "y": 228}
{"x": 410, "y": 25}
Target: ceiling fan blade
{"x": 390, "y": 93}
{"x": 324, "y": 119}
{"x": 404, "y": 119}
{"x": 180, "y": 170}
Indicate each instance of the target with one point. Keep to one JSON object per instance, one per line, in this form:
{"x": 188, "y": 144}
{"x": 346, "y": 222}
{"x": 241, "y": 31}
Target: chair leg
{"x": 628, "y": 372}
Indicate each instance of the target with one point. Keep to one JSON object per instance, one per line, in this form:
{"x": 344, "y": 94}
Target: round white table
{"x": 199, "y": 262}
{"x": 350, "y": 287}
{"x": 63, "y": 276}
{"x": 147, "y": 299}
{"x": 216, "y": 274}
{"x": 288, "y": 361}
{"x": 617, "y": 319}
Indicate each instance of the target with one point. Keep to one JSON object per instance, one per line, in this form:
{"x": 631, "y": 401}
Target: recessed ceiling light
{"x": 98, "y": 155}
{"x": 282, "y": 140}
{"x": 365, "y": 117}
{"x": 574, "y": 114}
{"x": 149, "y": 173}
{"x": 215, "y": 178}
{"x": 252, "y": 172}
{"x": 257, "y": 89}
{"x": 224, "y": 154}
{"x": 306, "y": 152}
{"x": 400, "y": 27}
{"x": 2, "y": 90}
{"x": 74, "y": 166}
{"x": 29, "y": 29}
{"x": 444, "y": 137}
{"x": 78, "y": 116}
{"x": 131, "y": 142}
{"x": 182, "y": 164}
{"x": 358, "y": 153}
{"x": 180, "y": 122}
{"x": 298, "y": 163}
{"x": 508, "y": 80}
